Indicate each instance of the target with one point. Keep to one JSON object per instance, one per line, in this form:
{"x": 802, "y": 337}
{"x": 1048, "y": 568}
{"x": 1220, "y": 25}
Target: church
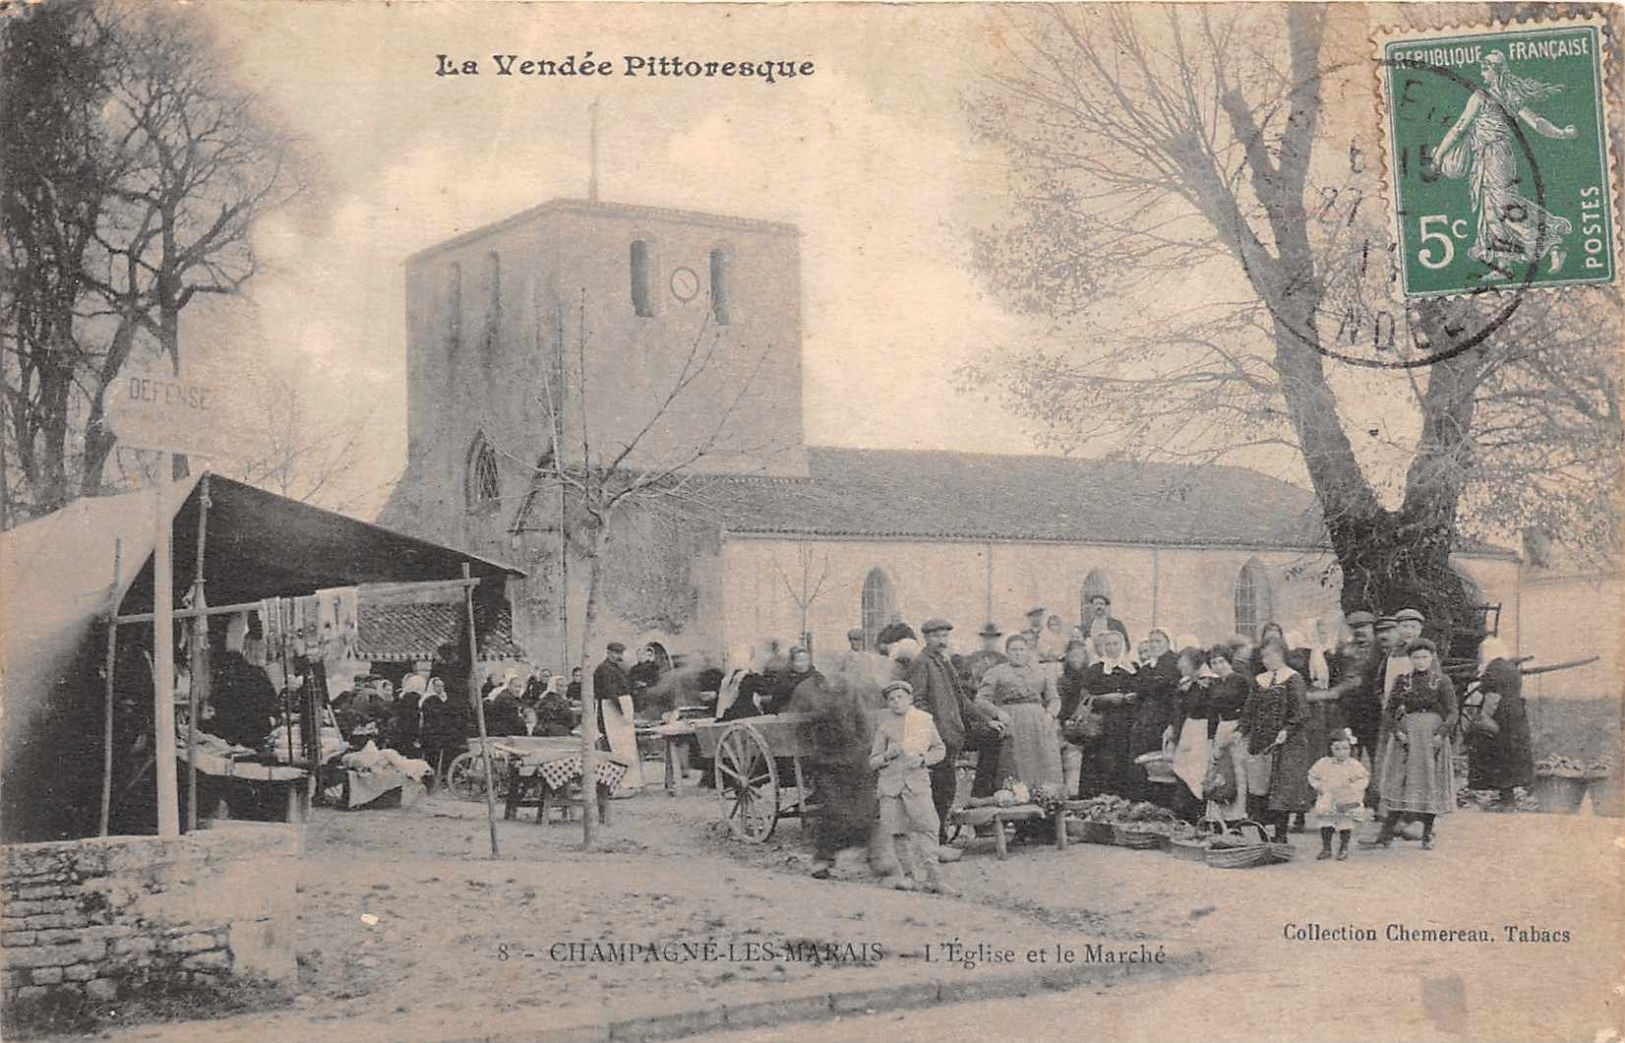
{"x": 560, "y": 333}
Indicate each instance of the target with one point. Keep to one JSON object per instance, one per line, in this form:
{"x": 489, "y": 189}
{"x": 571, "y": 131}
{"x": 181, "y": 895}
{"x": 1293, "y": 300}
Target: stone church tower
{"x": 597, "y": 307}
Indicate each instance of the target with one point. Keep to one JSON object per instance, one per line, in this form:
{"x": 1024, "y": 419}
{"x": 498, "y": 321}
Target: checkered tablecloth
{"x": 558, "y": 761}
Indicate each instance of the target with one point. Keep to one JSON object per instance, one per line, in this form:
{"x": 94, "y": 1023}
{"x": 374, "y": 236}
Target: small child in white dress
{"x": 1339, "y": 782}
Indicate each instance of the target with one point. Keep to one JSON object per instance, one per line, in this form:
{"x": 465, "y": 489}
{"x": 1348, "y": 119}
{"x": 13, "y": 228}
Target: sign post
{"x": 168, "y": 414}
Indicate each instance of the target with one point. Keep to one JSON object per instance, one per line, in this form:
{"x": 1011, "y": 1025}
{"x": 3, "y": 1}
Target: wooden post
{"x": 479, "y": 710}
{"x": 163, "y": 655}
{"x": 199, "y": 688}
{"x": 109, "y": 668}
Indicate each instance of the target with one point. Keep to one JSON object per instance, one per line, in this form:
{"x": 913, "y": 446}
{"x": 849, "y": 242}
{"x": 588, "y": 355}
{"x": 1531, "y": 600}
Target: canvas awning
{"x": 59, "y": 580}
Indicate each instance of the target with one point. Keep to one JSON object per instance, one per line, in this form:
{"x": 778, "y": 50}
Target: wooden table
{"x": 552, "y": 763}
{"x": 672, "y": 735}
{"x": 997, "y": 816}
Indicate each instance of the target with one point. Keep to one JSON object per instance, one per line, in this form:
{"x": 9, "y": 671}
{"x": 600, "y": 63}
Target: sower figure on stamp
{"x": 1481, "y": 145}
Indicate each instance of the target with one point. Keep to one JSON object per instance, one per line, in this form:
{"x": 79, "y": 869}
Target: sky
{"x": 871, "y": 156}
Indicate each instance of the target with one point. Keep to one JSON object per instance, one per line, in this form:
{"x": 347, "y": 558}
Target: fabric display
{"x": 338, "y": 621}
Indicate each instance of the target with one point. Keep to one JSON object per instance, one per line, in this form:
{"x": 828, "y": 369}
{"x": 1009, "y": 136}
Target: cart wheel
{"x": 465, "y": 777}
{"x": 747, "y": 783}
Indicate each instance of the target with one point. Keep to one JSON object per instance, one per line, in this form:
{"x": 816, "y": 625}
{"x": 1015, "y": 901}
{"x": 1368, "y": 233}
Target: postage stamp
{"x": 1498, "y": 157}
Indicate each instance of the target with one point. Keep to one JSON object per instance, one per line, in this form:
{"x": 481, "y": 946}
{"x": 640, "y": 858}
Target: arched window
{"x": 483, "y": 487}
{"x": 454, "y": 306}
{"x": 642, "y": 268}
{"x": 879, "y": 605}
{"x": 1254, "y": 604}
{"x": 720, "y": 304}
{"x": 1097, "y": 584}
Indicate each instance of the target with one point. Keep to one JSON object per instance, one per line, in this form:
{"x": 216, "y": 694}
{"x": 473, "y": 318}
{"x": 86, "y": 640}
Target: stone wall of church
{"x": 968, "y": 582}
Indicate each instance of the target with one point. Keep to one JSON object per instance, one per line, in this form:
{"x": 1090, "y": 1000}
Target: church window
{"x": 643, "y": 298}
{"x": 484, "y": 484}
{"x": 1254, "y": 603}
{"x": 720, "y": 304}
{"x": 879, "y": 605}
{"x": 454, "y": 306}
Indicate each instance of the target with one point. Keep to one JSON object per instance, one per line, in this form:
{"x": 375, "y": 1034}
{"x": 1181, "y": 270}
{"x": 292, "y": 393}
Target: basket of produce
{"x": 1281, "y": 852}
{"x": 1096, "y": 832}
{"x": 1186, "y": 842}
{"x": 1136, "y": 837}
{"x": 1561, "y": 783}
{"x": 1243, "y": 846}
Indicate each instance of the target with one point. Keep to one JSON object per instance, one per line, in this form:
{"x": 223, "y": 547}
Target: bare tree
{"x": 1155, "y": 148}
{"x": 149, "y": 203}
{"x": 283, "y": 446}
{"x": 603, "y": 480}
{"x": 809, "y": 583}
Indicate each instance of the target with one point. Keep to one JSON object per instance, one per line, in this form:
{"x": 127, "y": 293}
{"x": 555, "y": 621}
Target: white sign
{"x": 156, "y": 410}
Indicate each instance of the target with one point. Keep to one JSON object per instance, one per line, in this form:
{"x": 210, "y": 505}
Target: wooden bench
{"x": 997, "y": 817}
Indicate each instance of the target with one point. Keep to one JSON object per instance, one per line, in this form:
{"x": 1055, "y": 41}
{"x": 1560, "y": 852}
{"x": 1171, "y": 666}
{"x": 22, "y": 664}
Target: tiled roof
{"x": 397, "y": 632}
{"x": 904, "y": 494}
{"x": 940, "y": 495}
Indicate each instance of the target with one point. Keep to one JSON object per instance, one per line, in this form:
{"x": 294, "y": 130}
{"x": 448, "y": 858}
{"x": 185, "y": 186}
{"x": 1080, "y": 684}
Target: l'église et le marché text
{"x": 769, "y": 70}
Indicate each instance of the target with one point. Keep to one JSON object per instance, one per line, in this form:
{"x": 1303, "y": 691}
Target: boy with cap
{"x": 906, "y": 744}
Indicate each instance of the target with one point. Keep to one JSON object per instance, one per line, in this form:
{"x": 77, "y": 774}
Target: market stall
{"x": 78, "y": 741}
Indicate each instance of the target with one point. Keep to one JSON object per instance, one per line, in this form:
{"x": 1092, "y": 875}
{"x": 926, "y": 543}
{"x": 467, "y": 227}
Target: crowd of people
{"x": 1345, "y": 721}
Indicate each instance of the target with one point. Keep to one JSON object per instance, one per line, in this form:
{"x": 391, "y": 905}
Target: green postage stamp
{"x": 1498, "y": 157}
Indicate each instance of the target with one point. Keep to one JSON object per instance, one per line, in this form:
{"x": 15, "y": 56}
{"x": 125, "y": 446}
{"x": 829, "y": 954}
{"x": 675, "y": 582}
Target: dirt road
{"x": 409, "y": 931}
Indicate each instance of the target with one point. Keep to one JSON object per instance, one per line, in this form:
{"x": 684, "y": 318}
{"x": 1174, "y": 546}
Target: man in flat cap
{"x": 612, "y": 690}
{"x": 1410, "y": 623}
{"x": 1350, "y": 671}
{"x": 937, "y": 690}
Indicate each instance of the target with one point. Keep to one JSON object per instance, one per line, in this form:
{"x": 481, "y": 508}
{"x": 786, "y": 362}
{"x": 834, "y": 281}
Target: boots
{"x": 1343, "y": 844}
{"x": 1386, "y": 837}
{"x": 1325, "y": 843}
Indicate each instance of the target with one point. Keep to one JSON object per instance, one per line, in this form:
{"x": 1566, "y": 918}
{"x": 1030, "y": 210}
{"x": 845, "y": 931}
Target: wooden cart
{"x": 750, "y": 756}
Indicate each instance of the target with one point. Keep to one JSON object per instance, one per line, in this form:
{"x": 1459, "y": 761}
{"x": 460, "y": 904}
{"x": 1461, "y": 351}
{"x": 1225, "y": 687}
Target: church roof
{"x": 897, "y": 494}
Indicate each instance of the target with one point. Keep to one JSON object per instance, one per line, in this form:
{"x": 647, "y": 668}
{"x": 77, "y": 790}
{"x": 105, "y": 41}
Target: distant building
{"x": 892, "y": 535}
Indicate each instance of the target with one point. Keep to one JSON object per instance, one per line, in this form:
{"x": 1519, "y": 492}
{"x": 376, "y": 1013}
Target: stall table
{"x": 551, "y": 763}
{"x": 293, "y": 782}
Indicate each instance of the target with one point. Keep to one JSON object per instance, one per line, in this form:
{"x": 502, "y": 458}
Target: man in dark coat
{"x": 938, "y": 691}
{"x": 610, "y": 682}
{"x": 243, "y": 698}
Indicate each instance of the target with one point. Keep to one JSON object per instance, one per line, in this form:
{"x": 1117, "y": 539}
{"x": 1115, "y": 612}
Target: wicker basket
{"x": 1192, "y": 849}
{"x": 1255, "y": 853}
{"x": 1138, "y": 839}
{"x": 1097, "y": 833}
{"x": 1281, "y": 852}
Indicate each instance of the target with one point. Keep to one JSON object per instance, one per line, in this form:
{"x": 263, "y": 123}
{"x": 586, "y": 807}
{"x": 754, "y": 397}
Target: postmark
{"x": 1498, "y": 172}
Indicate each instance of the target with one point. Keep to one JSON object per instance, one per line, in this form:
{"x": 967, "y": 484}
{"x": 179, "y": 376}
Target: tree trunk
{"x": 589, "y": 695}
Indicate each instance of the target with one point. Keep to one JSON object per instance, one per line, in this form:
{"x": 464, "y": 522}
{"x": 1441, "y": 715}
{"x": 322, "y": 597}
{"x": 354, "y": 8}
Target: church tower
{"x": 602, "y": 308}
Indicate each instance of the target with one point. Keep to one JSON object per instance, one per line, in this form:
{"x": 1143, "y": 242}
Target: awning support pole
{"x": 163, "y": 653}
{"x": 199, "y": 688}
{"x": 479, "y": 710}
{"x": 107, "y": 714}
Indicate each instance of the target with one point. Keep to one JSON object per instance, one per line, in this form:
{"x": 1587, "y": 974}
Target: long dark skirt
{"x": 848, "y": 806}
{"x": 1107, "y": 763}
{"x": 1506, "y": 759}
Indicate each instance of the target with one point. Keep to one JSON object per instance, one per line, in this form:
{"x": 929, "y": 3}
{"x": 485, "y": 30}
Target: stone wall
{"x": 102, "y": 916}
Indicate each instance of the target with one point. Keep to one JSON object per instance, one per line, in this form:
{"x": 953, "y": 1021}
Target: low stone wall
{"x": 95, "y": 918}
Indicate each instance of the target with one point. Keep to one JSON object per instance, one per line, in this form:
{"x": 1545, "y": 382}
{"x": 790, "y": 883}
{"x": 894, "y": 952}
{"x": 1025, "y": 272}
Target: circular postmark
{"x": 1358, "y": 320}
